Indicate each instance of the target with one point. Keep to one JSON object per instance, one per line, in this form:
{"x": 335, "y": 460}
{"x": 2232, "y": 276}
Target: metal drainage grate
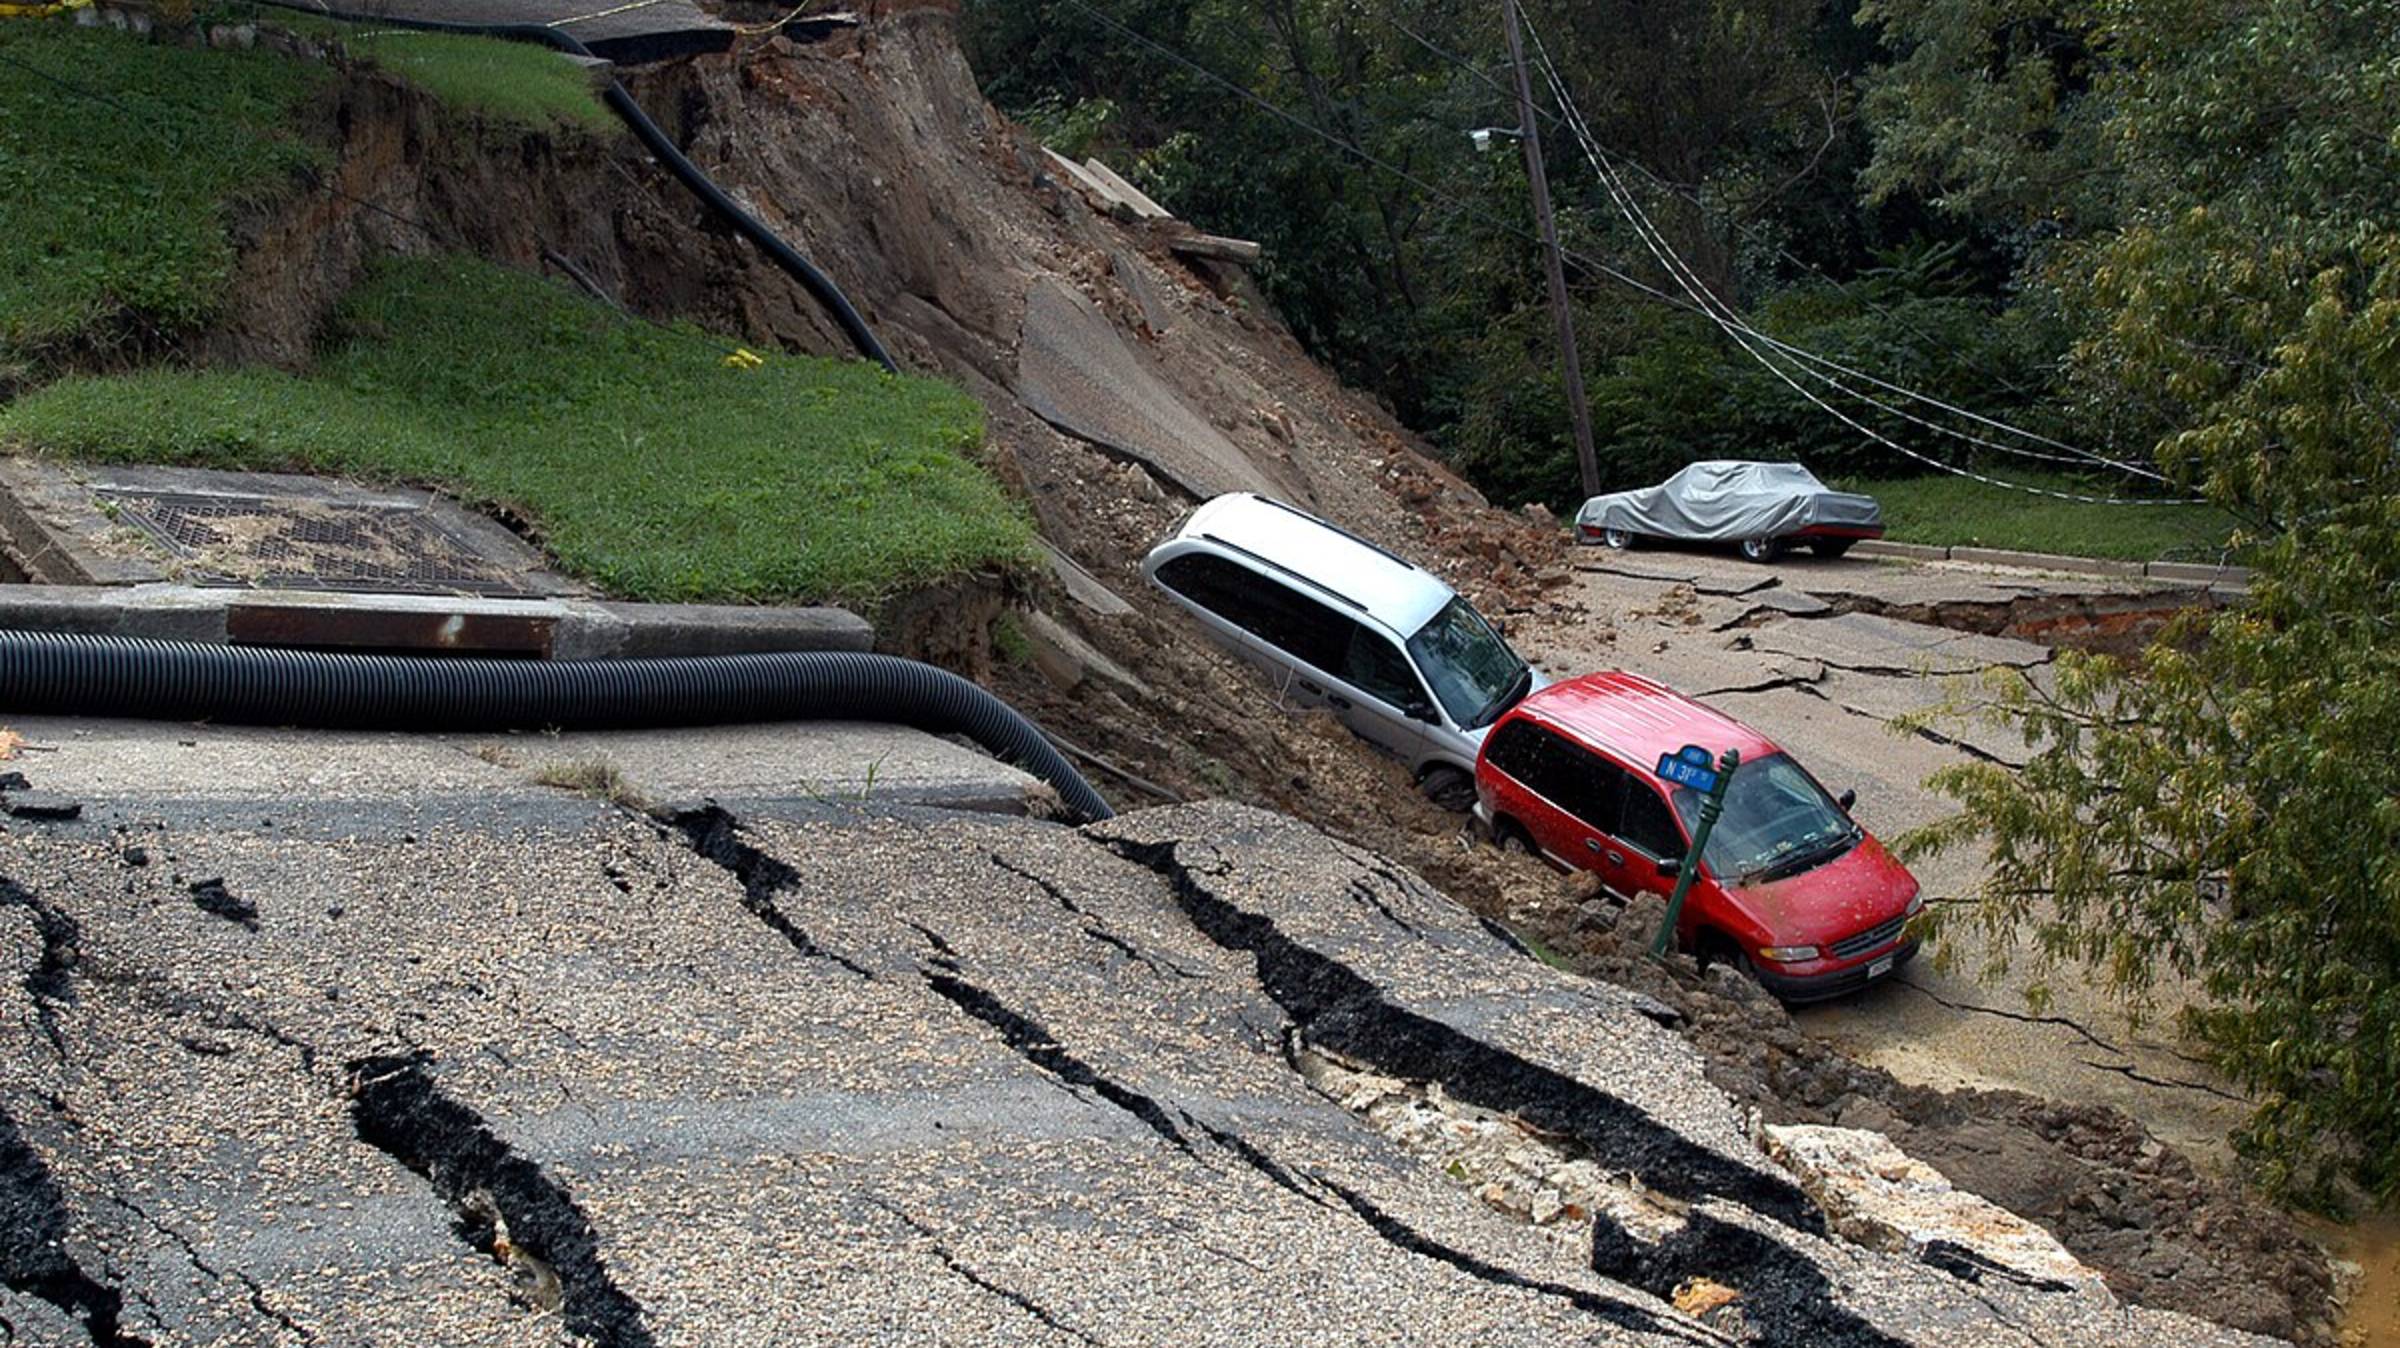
{"x": 288, "y": 543}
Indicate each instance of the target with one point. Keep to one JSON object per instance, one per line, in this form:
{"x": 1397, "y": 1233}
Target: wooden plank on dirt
{"x": 1102, "y": 199}
{"x": 1241, "y": 252}
{"x": 1127, "y": 192}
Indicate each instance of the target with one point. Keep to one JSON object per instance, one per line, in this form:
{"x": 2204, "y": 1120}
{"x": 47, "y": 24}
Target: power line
{"x": 1701, "y": 303}
{"x": 1582, "y": 129}
{"x": 1743, "y": 335}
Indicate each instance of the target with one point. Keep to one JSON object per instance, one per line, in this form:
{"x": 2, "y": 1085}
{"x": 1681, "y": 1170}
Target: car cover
{"x": 1725, "y": 500}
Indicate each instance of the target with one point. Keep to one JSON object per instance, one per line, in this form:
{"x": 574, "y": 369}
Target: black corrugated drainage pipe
{"x": 817, "y": 283}
{"x": 70, "y": 674}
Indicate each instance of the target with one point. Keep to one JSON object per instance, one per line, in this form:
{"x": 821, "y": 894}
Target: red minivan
{"x": 1791, "y": 887}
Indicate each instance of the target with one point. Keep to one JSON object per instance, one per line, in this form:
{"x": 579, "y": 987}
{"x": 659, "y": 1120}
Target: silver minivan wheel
{"x": 1449, "y": 788}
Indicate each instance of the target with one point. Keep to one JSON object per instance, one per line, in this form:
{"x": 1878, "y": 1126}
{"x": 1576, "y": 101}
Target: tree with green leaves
{"x": 2220, "y": 177}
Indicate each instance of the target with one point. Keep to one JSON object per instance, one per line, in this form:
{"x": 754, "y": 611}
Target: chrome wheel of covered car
{"x": 1762, "y": 549}
{"x": 1618, "y": 539}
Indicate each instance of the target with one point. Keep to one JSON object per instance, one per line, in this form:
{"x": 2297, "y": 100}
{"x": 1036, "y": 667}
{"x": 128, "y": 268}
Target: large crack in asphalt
{"x": 50, "y": 982}
{"x": 1325, "y": 1192}
{"x": 2051, "y": 619}
{"x": 505, "y": 1205}
{"x": 1028, "y": 1039}
{"x": 1400, "y": 1234}
{"x": 1783, "y": 1293}
{"x": 1091, "y": 926}
{"x": 714, "y": 834}
{"x": 33, "y": 1249}
{"x": 1334, "y": 1007}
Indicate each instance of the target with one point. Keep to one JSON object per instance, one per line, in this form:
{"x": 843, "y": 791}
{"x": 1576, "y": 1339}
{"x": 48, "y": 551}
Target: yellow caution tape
{"x": 40, "y": 11}
{"x": 743, "y": 358}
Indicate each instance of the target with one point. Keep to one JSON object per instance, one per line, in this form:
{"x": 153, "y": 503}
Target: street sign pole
{"x": 1675, "y": 768}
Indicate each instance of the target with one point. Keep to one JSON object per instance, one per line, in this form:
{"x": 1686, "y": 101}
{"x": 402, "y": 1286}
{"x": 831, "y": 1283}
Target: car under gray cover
{"x": 1724, "y": 501}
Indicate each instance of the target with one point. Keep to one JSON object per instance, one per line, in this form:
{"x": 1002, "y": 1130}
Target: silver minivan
{"x": 1342, "y": 624}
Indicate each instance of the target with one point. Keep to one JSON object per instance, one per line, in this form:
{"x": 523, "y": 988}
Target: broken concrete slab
{"x": 1879, "y": 1196}
{"x": 1867, "y": 643}
{"x": 1066, "y": 659}
{"x": 1096, "y": 192}
{"x": 778, "y": 767}
{"x": 2044, "y": 561}
{"x": 1126, "y": 192}
{"x": 559, "y": 629}
{"x": 1914, "y": 552}
{"x": 1075, "y": 372}
{"x": 767, "y": 767}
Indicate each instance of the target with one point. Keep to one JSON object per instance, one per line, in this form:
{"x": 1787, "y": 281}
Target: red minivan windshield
{"x": 1777, "y": 822}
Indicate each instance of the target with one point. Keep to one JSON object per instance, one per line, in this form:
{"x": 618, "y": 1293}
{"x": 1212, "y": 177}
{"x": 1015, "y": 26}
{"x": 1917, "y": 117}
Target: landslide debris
{"x": 2162, "y": 1233}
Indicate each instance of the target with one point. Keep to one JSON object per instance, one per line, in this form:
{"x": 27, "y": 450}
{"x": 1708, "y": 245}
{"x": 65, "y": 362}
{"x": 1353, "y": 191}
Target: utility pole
{"x": 1579, "y": 406}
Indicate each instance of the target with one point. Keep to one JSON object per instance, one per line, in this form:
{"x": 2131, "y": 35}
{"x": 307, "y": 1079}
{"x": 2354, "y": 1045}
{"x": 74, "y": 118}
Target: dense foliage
{"x": 2229, "y": 811}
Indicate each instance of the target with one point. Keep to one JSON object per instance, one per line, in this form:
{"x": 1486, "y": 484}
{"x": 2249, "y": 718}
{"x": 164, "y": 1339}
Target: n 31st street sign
{"x": 1690, "y": 766}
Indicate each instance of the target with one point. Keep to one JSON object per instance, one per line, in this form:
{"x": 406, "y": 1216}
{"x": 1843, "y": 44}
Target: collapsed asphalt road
{"x": 525, "y": 1067}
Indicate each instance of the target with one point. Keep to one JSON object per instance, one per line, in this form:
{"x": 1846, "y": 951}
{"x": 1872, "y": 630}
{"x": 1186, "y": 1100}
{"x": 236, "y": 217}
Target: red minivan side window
{"x": 1576, "y": 780}
{"x": 1650, "y": 822}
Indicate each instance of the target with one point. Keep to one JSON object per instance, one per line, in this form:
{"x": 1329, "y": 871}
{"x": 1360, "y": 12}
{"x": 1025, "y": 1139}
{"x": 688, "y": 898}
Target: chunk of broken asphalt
{"x": 14, "y": 781}
{"x": 37, "y": 805}
{"x": 213, "y": 898}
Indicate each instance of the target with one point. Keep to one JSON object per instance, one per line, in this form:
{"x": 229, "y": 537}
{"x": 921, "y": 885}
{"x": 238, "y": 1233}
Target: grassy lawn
{"x": 1953, "y": 511}
{"x": 519, "y": 83}
{"x": 650, "y": 465}
{"x": 119, "y": 159}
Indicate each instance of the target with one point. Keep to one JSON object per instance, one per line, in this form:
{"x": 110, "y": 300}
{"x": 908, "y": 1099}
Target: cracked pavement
{"x": 513, "y": 1066}
{"x": 1824, "y": 656}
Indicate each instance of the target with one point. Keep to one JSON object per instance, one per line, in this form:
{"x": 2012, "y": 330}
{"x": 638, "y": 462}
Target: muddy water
{"x": 2373, "y": 1318}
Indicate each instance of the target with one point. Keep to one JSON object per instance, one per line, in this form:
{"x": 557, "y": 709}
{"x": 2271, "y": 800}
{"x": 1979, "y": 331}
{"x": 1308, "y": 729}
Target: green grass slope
{"x": 651, "y": 465}
{"x": 119, "y": 161}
